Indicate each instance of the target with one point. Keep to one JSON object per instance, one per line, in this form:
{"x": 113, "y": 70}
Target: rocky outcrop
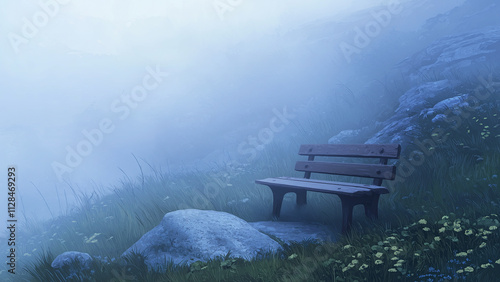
{"x": 417, "y": 104}
{"x": 443, "y": 81}
{"x": 454, "y": 57}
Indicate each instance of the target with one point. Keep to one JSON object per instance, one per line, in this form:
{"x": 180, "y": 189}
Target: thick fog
{"x": 89, "y": 86}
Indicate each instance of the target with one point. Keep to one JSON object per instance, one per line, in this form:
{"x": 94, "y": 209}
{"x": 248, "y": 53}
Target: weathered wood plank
{"x": 316, "y": 187}
{"x": 349, "y": 169}
{"x": 391, "y": 151}
{"x": 376, "y": 188}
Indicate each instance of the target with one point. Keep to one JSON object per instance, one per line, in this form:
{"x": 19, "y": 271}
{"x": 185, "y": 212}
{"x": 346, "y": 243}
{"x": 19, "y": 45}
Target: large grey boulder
{"x": 189, "y": 235}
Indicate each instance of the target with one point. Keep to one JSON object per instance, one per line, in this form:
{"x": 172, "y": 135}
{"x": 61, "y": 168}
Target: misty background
{"x": 231, "y": 65}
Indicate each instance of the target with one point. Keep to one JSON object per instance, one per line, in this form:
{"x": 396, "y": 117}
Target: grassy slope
{"x": 439, "y": 222}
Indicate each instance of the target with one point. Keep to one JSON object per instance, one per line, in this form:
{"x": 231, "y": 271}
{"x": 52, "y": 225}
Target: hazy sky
{"x": 86, "y": 84}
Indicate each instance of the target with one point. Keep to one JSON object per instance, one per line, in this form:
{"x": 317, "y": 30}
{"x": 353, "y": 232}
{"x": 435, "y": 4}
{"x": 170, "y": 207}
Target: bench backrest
{"x": 378, "y": 172}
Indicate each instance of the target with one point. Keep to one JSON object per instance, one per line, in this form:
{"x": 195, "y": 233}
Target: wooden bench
{"x": 350, "y": 194}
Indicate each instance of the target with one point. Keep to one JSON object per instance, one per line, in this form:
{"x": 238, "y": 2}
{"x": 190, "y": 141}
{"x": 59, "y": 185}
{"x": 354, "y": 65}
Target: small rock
{"x": 67, "y": 258}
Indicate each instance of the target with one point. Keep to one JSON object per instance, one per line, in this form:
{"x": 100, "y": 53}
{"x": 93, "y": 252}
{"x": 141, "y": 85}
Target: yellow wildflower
{"x": 392, "y": 270}
{"x": 469, "y": 269}
{"x": 486, "y": 265}
{"x": 378, "y": 262}
{"x": 422, "y": 221}
{"x": 483, "y": 244}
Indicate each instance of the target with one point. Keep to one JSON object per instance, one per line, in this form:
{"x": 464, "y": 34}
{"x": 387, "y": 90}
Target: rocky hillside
{"x": 449, "y": 80}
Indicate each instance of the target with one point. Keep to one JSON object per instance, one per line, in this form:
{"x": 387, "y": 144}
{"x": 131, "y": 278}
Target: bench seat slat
{"x": 350, "y": 169}
{"x": 321, "y": 186}
{"x": 390, "y": 151}
{"x": 374, "y": 188}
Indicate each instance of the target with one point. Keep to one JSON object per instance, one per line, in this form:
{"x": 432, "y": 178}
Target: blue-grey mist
{"x": 87, "y": 85}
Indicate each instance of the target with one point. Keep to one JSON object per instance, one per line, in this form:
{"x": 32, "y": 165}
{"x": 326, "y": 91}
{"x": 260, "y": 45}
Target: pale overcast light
{"x": 88, "y": 85}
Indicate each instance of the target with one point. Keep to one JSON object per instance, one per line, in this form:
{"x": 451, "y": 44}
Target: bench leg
{"x": 301, "y": 197}
{"x": 371, "y": 207}
{"x": 278, "y": 195}
{"x": 347, "y": 205}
